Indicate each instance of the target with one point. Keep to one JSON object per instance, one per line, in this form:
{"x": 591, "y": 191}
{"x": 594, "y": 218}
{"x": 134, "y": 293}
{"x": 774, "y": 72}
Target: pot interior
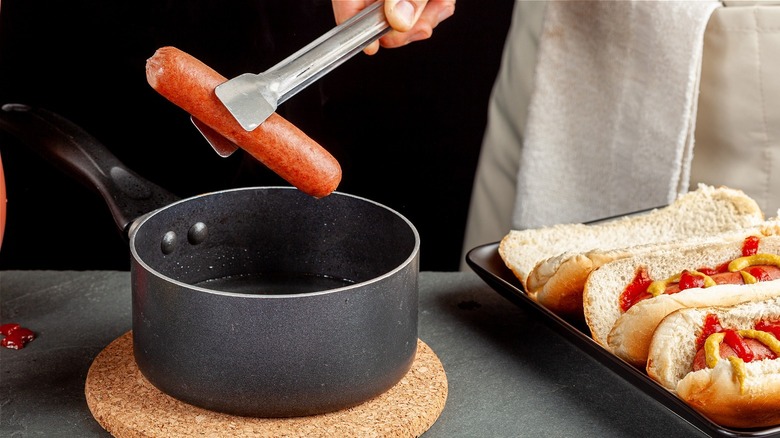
{"x": 272, "y": 241}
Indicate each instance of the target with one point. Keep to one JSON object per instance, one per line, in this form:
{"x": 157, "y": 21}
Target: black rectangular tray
{"x": 487, "y": 263}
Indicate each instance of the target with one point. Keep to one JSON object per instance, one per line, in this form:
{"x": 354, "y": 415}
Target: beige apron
{"x": 737, "y": 135}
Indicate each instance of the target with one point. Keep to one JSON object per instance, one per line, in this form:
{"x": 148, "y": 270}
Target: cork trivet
{"x": 127, "y": 405}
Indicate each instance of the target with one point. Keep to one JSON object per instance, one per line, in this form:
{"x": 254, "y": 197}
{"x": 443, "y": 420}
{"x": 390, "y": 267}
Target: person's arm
{"x": 411, "y": 20}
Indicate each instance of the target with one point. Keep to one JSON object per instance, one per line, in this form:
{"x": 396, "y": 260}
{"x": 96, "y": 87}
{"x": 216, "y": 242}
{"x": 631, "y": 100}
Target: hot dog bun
{"x": 553, "y": 263}
{"x": 277, "y": 143}
{"x": 716, "y": 392}
{"x": 628, "y": 334}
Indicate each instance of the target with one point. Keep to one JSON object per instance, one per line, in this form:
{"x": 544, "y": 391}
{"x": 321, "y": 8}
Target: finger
{"x": 434, "y": 13}
{"x": 346, "y": 9}
{"x": 437, "y": 11}
{"x": 372, "y": 48}
{"x": 403, "y": 14}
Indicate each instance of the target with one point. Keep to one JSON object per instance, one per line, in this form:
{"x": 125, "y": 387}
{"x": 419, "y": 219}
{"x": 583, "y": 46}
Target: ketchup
{"x": 740, "y": 345}
{"x": 688, "y": 280}
{"x": 636, "y": 290}
{"x": 721, "y": 268}
{"x": 772, "y": 327}
{"x": 16, "y": 336}
{"x": 750, "y": 246}
{"x": 759, "y": 273}
{"x": 711, "y": 325}
{"x": 737, "y": 343}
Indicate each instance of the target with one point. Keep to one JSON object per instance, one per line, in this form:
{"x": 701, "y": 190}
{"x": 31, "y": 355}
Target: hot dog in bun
{"x": 722, "y": 361}
{"x": 553, "y": 263}
{"x": 624, "y": 300}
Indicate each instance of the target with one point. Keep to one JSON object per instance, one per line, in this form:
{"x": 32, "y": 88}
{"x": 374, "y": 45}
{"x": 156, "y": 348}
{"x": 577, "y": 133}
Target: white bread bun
{"x": 567, "y": 253}
{"x": 631, "y": 336}
{"x": 716, "y": 392}
{"x": 628, "y": 334}
{"x": 602, "y": 290}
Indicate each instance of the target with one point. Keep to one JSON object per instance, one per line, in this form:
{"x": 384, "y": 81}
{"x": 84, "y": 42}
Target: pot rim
{"x": 138, "y": 223}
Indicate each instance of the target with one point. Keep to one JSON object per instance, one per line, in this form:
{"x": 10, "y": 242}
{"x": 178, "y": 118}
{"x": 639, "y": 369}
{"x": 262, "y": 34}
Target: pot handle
{"x": 80, "y": 155}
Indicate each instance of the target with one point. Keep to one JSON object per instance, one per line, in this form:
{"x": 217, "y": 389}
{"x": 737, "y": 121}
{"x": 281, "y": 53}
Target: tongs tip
{"x": 221, "y": 145}
{"x": 247, "y": 98}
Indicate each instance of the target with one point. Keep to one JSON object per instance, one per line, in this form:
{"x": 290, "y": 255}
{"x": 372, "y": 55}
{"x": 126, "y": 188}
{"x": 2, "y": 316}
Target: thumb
{"x": 403, "y": 14}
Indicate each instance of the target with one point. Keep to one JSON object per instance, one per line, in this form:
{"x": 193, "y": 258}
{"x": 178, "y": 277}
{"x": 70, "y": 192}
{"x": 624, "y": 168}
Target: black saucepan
{"x": 253, "y": 301}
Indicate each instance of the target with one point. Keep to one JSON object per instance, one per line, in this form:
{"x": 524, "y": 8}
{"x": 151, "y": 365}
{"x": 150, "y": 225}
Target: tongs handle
{"x": 327, "y": 52}
{"x": 252, "y": 98}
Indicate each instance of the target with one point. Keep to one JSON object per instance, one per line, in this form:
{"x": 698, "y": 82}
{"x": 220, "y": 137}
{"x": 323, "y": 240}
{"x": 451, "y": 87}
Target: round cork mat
{"x": 127, "y": 405}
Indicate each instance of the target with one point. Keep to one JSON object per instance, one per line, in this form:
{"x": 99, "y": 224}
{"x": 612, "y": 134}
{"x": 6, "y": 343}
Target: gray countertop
{"x": 508, "y": 373}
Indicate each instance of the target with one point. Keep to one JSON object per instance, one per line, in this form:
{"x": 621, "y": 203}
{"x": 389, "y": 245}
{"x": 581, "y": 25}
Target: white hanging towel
{"x": 610, "y": 123}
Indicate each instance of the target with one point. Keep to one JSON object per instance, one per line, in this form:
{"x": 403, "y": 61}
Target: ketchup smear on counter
{"x": 637, "y": 290}
{"x": 15, "y": 336}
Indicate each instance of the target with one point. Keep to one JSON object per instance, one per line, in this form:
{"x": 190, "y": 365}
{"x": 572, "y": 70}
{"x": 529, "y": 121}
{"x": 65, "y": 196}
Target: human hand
{"x": 411, "y": 20}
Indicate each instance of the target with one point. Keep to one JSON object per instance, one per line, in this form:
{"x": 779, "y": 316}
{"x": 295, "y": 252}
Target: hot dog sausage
{"x": 278, "y": 144}
{"x": 759, "y": 350}
{"x": 639, "y": 288}
{"x": 769, "y": 273}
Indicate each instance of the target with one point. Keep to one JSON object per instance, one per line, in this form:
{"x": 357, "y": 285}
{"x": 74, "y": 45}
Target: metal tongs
{"x": 252, "y": 98}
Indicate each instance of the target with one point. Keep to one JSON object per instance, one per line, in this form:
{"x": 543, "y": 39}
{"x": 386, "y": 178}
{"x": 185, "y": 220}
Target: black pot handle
{"x": 80, "y": 155}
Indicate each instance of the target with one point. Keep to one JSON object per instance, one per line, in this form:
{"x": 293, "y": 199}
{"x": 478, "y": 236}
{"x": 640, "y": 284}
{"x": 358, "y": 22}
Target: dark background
{"x": 406, "y": 125}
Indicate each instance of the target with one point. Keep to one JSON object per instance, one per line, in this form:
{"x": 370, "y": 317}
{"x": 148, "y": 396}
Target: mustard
{"x": 753, "y": 260}
{"x": 658, "y": 287}
{"x": 712, "y": 348}
{"x": 712, "y": 351}
{"x": 747, "y": 277}
{"x": 765, "y": 338}
{"x": 738, "y": 366}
